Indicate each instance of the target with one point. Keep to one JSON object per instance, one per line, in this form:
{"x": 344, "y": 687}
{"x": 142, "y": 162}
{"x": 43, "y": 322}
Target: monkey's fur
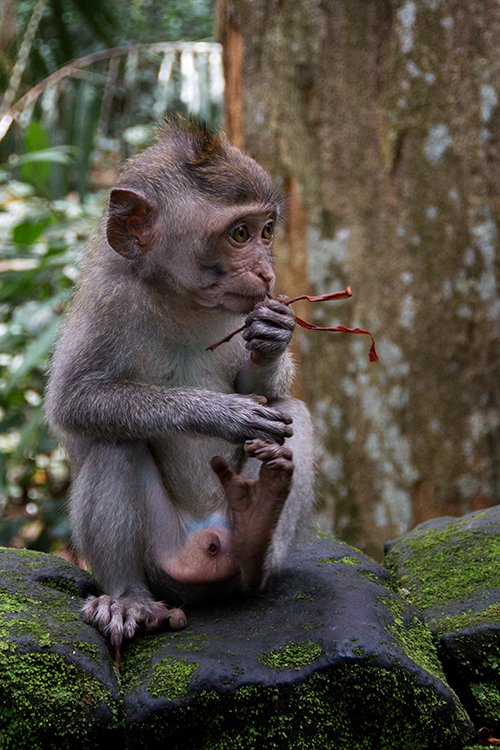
{"x": 181, "y": 258}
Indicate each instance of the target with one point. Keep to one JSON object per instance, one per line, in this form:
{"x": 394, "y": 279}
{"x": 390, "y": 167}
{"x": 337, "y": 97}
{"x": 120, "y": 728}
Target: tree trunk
{"x": 381, "y": 120}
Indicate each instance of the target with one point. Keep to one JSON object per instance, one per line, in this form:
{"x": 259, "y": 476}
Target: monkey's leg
{"x": 297, "y": 510}
{"x": 255, "y": 505}
{"x": 118, "y": 508}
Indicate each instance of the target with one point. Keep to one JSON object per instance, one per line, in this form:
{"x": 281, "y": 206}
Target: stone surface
{"x": 451, "y": 570}
{"x": 57, "y": 686}
{"x": 330, "y": 656}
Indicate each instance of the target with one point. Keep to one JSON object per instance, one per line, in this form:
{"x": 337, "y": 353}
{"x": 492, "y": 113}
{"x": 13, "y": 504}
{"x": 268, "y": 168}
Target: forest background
{"x": 379, "y": 120}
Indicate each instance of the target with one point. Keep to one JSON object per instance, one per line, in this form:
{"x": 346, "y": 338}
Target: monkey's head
{"x": 196, "y": 216}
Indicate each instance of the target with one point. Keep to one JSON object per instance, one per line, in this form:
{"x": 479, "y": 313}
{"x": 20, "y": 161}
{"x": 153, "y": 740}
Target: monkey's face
{"x": 236, "y": 270}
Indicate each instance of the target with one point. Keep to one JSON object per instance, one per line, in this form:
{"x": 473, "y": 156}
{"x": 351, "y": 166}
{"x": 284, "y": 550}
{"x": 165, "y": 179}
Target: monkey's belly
{"x": 184, "y": 464}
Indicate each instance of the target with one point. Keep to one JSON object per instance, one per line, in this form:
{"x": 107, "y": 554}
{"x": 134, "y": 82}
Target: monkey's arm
{"x": 269, "y": 368}
{"x": 118, "y": 411}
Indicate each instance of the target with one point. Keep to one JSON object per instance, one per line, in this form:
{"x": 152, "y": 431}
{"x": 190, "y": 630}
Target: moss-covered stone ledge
{"x": 450, "y": 569}
{"x": 57, "y": 684}
{"x": 331, "y": 656}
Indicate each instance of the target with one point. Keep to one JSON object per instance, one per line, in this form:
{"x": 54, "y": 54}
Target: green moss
{"x": 303, "y": 598}
{"x": 292, "y": 656}
{"x": 45, "y": 701}
{"x": 345, "y": 560}
{"x": 440, "y": 566}
{"x": 88, "y": 648}
{"x": 65, "y": 585}
{"x": 353, "y": 707}
{"x": 488, "y": 698}
{"x": 23, "y": 552}
{"x": 354, "y": 562}
{"x": 15, "y": 603}
{"x": 136, "y": 659}
{"x": 414, "y": 637}
{"x": 188, "y": 643}
{"x": 171, "y": 678}
{"x": 450, "y": 573}
{"x": 467, "y": 619}
{"x": 20, "y": 615}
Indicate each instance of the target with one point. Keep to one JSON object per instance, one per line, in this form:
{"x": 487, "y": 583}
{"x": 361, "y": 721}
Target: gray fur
{"x": 140, "y": 403}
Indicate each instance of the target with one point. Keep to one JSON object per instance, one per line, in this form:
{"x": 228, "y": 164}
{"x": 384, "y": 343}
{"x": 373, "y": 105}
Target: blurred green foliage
{"x": 43, "y": 240}
{"x": 94, "y": 108}
{"x": 54, "y": 165}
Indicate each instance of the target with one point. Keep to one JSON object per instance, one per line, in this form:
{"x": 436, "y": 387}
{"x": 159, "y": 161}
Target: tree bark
{"x": 383, "y": 115}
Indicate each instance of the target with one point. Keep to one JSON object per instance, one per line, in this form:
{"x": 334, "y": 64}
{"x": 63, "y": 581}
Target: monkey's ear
{"x": 131, "y": 218}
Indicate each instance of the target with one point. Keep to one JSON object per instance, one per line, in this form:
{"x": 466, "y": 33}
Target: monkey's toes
{"x": 119, "y": 619}
{"x": 177, "y": 619}
{"x": 268, "y": 452}
{"x": 157, "y": 616}
{"x": 276, "y": 472}
{"x": 110, "y": 617}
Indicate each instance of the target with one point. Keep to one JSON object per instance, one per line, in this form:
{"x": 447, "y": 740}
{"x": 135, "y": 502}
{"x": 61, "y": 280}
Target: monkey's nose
{"x": 267, "y": 276}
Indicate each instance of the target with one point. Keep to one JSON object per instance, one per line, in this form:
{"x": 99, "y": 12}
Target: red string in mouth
{"x": 347, "y": 292}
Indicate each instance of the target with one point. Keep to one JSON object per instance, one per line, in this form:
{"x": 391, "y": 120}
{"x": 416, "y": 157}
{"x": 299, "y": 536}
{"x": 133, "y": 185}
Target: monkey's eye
{"x": 268, "y": 231}
{"x": 240, "y": 233}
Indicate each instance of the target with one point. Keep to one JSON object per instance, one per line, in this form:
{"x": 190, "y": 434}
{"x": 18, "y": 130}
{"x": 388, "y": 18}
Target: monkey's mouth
{"x": 242, "y": 303}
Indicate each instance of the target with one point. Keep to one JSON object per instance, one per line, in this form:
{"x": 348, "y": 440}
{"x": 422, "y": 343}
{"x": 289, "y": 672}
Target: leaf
{"x": 56, "y": 154}
{"x": 30, "y": 434}
{"x": 36, "y": 137}
{"x": 36, "y": 140}
{"x": 27, "y": 232}
{"x": 35, "y": 354}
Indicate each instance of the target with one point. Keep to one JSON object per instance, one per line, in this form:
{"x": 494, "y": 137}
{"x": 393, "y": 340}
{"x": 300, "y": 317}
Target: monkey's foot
{"x": 256, "y": 504}
{"x": 119, "y": 619}
{"x": 275, "y": 477}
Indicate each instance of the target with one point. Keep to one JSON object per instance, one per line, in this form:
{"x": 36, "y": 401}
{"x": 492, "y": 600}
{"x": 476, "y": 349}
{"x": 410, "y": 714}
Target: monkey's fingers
{"x": 272, "y": 312}
{"x": 274, "y": 415}
{"x": 262, "y": 400}
{"x": 273, "y": 425}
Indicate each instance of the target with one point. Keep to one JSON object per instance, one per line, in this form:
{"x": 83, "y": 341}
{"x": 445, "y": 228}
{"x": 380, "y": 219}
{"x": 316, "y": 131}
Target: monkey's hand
{"x": 269, "y": 328}
{"x": 241, "y": 418}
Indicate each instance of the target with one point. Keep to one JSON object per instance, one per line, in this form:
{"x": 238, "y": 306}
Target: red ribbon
{"x": 347, "y": 292}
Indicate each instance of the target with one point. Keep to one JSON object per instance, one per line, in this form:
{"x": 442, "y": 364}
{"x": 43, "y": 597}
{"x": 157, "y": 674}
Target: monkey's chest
{"x": 184, "y": 464}
{"x": 192, "y": 366}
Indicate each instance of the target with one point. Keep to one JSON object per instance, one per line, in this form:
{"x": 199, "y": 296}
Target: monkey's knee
{"x": 297, "y": 410}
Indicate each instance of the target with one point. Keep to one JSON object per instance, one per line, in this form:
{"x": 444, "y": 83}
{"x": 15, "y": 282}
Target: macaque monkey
{"x": 188, "y": 478}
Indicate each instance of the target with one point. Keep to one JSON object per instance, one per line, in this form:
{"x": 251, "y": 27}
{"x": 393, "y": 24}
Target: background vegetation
{"x": 60, "y": 149}
{"x": 386, "y": 144}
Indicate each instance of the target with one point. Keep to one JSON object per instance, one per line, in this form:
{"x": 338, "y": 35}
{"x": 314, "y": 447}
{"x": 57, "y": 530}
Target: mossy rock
{"x": 451, "y": 570}
{"x": 57, "y": 686}
{"x": 329, "y": 656}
